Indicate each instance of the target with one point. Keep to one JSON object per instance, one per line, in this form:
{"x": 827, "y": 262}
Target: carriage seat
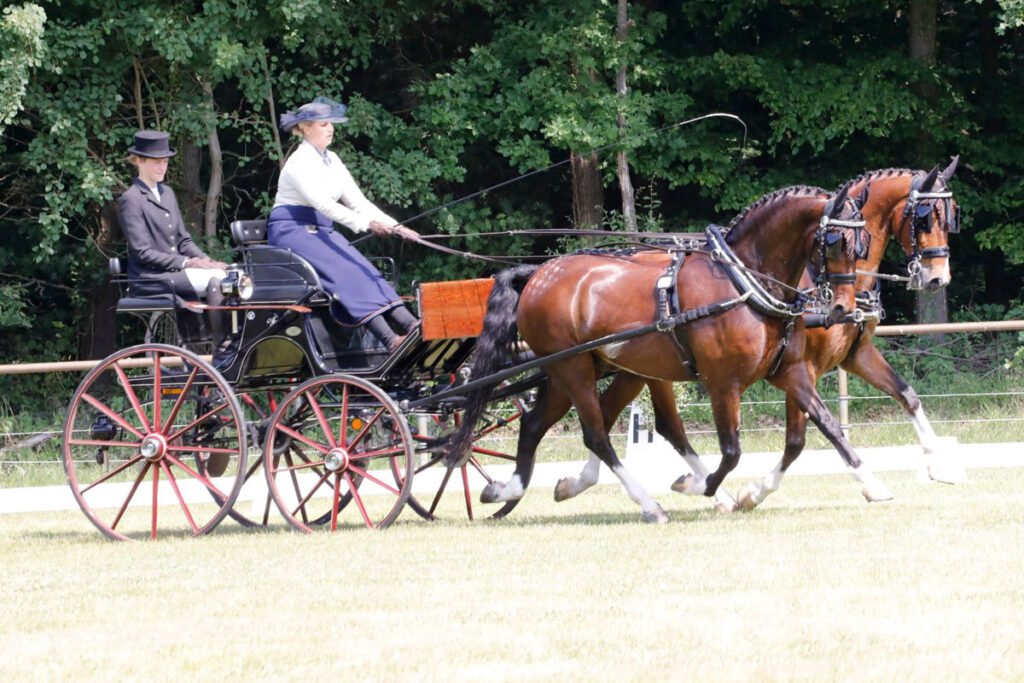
{"x": 279, "y": 275}
{"x": 131, "y": 302}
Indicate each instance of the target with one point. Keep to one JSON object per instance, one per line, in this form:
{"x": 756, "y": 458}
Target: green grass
{"x": 815, "y": 585}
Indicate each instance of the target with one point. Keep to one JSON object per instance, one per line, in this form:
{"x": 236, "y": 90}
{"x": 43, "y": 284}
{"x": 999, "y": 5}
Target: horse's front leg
{"x": 867, "y": 362}
{"x": 810, "y": 402}
{"x": 725, "y": 407}
{"x": 754, "y": 493}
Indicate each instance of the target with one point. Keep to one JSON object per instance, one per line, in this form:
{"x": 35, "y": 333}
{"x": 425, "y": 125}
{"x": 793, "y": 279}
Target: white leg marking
{"x": 652, "y": 511}
{"x": 938, "y": 464}
{"x": 512, "y": 490}
{"x": 874, "y": 490}
{"x": 722, "y": 497}
{"x": 588, "y": 477}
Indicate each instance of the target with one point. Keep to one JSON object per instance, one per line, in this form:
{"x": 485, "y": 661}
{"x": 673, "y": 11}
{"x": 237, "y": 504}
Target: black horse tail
{"x": 493, "y": 348}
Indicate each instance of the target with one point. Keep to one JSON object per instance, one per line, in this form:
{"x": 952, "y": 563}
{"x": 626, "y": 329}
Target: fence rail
{"x": 24, "y": 440}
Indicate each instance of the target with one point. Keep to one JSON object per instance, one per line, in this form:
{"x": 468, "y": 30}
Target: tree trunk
{"x": 99, "y": 340}
{"x": 922, "y": 17}
{"x": 213, "y": 190}
{"x": 625, "y": 183}
{"x": 190, "y": 188}
{"x": 587, "y": 190}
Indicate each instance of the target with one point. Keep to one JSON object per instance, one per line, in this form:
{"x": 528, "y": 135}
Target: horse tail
{"x": 492, "y": 350}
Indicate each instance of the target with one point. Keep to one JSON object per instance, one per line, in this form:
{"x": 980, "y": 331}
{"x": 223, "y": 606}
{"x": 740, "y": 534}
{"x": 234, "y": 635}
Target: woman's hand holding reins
{"x": 382, "y": 229}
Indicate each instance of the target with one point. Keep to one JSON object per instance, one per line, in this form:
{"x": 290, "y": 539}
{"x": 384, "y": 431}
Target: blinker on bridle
{"x": 830, "y": 242}
{"x": 918, "y": 209}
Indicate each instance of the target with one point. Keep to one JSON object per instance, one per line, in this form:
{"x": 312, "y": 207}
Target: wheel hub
{"x": 336, "y": 460}
{"x": 153, "y": 447}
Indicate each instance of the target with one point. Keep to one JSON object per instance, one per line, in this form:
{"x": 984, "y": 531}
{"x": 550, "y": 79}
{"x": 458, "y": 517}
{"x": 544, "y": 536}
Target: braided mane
{"x": 880, "y": 173}
{"x": 800, "y": 190}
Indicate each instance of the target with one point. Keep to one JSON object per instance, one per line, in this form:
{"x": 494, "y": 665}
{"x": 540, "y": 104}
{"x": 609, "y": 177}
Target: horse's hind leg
{"x": 578, "y": 377}
{"x": 552, "y": 405}
{"x": 725, "y": 406}
{"x": 623, "y": 389}
{"x": 868, "y": 363}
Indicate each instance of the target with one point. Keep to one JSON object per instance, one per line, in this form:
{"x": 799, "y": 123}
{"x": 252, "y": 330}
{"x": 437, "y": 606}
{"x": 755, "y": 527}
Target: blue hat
{"x": 320, "y": 109}
{"x": 152, "y": 144}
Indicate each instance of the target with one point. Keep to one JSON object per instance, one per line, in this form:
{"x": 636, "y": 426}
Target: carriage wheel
{"x": 254, "y": 505}
{"x": 136, "y": 427}
{"x": 335, "y": 440}
{"x": 448, "y": 491}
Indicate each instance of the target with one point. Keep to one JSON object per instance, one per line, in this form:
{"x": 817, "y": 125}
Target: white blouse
{"x": 323, "y": 182}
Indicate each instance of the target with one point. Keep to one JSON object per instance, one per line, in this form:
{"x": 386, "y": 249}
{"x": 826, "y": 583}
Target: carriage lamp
{"x": 237, "y": 285}
{"x": 103, "y": 429}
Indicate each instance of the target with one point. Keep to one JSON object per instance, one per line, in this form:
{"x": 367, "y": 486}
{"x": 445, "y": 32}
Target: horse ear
{"x": 839, "y": 201}
{"x": 863, "y": 198}
{"x": 929, "y": 180}
{"x": 948, "y": 173}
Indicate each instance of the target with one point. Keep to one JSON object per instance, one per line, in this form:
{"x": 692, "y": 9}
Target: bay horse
{"x": 914, "y": 207}
{"x": 732, "y": 335}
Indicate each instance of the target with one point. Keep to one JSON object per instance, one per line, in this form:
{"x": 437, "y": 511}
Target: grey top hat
{"x": 152, "y": 144}
{"x": 320, "y": 109}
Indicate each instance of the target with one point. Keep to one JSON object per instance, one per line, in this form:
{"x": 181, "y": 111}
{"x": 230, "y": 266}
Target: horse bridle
{"x": 829, "y": 238}
{"x": 918, "y": 210}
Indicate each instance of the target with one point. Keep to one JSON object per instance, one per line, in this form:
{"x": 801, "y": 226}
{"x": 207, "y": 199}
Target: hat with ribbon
{"x": 320, "y": 109}
{"x": 152, "y": 144}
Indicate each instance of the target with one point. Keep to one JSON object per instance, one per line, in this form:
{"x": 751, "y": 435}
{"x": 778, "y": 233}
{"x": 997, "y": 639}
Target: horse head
{"x": 841, "y": 240}
{"x": 929, "y": 216}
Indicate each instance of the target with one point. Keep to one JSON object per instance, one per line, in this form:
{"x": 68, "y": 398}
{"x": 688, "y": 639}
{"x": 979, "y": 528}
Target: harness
{"x": 918, "y": 208}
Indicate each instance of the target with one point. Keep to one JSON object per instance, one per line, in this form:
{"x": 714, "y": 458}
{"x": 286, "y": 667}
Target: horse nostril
{"x": 837, "y": 313}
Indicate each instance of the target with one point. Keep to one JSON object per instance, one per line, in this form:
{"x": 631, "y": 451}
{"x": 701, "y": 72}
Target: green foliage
{"x": 21, "y": 41}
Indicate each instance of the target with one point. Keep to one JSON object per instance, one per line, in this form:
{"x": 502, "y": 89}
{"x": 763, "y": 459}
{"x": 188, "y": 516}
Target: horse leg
{"x": 623, "y": 389}
{"x": 671, "y": 428}
{"x": 810, "y": 402}
{"x": 552, "y": 405}
{"x": 755, "y": 492}
{"x": 725, "y": 407}
{"x": 572, "y": 375}
{"x": 867, "y": 362}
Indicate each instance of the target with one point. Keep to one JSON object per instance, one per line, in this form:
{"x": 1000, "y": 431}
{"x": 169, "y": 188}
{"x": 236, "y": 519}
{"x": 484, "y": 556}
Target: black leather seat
{"x": 279, "y": 275}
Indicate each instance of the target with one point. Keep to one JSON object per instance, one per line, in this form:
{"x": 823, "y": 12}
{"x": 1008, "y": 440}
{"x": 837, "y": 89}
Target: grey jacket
{"x": 158, "y": 242}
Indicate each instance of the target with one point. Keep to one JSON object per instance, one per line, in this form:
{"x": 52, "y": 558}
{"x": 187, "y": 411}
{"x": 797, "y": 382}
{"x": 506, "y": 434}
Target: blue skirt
{"x": 357, "y": 289}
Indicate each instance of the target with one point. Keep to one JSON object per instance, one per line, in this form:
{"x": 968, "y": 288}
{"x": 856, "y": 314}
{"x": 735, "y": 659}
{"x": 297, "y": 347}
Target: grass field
{"x": 815, "y": 585}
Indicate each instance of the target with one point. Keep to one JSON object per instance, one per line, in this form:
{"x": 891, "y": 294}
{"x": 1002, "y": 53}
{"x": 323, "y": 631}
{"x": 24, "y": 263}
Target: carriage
{"x": 320, "y": 421}
{"x": 309, "y": 416}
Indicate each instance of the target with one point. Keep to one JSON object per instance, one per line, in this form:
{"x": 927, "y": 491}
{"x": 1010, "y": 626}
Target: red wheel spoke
{"x": 343, "y": 431}
{"x": 496, "y": 454}
{"x": 132, "y": 398}
{"x": 375, "y": 480}
{"x": 156, "y": 497}
{"x": 440, "y": 490}
{"x": 295, "y": 483}
{"x": 157, "y": 396}
{"x": 104, "y": 444}
{"x": 476, "y": 465}
{"x": 321, "y": 419}
{"x": 465, "y": 490}
{"x": 366, "y": 429}
{"x": 201, "y": 449}
{"x": 198, "y": 420}
{"x": 177, "y": 493}
{"x": 131, "y": 494}
{"x": 203, "y": 479}
{"x": 181, "y": 399}
{"x": 358, "y": 499}
{"x": 296, "y": 435}
{"x": 434, "y": 459}
{"x": 302, "y": 503}
{"x": 100, "y": 406}
{"x": 335, "y": 499}
{"x": 113, "y": 473}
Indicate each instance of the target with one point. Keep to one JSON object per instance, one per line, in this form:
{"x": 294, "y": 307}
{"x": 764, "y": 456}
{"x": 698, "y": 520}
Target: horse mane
{"x": 880, "y": 173}
{"x": 792, "y": 190}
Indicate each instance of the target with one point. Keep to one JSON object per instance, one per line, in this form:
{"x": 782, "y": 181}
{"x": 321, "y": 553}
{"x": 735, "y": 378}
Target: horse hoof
{"x": 491, "y": 492}
{"x": 562, "y": 490}
{"x": 655, "y": 516}
{"x": 947, "y": 475}
{"x": 723, "y": 509}
{"x": 877, "y": 493}
{"x": 680, "y": 484}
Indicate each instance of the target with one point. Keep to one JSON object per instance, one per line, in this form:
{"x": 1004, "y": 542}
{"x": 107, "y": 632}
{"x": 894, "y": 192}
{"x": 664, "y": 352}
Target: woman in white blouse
{"x": 316, "y": 190}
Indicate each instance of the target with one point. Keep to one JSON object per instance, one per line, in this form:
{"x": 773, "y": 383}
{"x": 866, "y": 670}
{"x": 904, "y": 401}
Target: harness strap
{"x": 782, "y": 349}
